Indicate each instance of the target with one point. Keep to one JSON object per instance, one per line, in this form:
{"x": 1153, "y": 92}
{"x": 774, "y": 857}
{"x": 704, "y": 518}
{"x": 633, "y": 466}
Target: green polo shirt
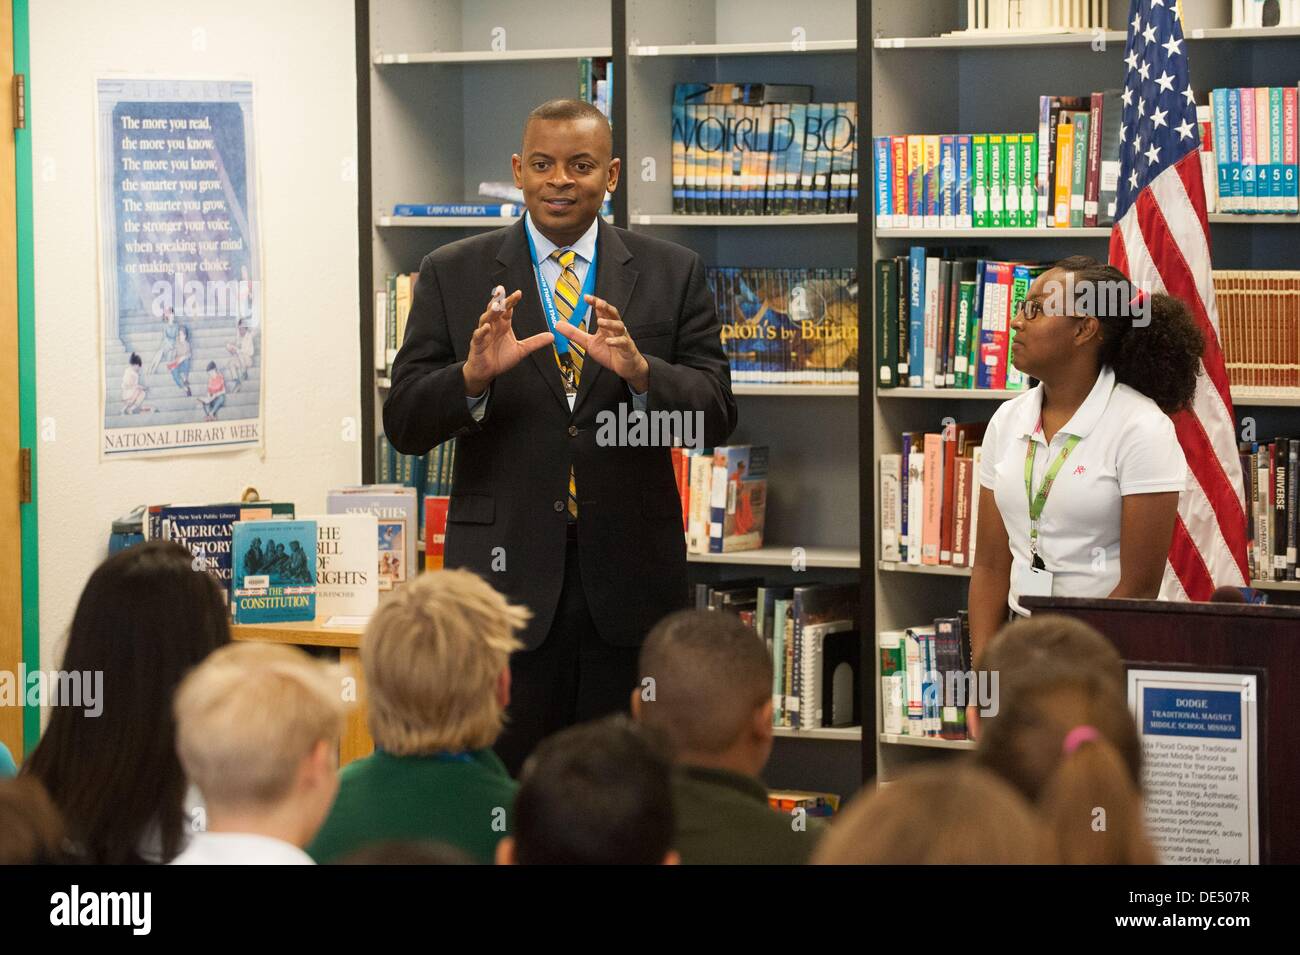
{"x": 723, "y": 818}
{"x": 465, "y": 800}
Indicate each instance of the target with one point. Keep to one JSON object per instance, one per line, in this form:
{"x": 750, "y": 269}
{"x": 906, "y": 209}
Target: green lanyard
{"x": 1037, "y": 501}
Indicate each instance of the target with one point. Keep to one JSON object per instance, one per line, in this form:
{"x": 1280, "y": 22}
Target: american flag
{"x": 1161, "y": 240}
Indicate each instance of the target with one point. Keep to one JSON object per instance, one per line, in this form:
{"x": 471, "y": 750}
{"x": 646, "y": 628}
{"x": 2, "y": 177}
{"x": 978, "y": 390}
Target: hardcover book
{"x": 274, "y": 575}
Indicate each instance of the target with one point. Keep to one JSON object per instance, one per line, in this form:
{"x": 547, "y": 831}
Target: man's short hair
{"x": 595, "y": 794}
{"x": 567, "y": 110}
{"x": 710, "y": 673}
{"x": 432, "y": 654}
{"x": 248, "y": 715}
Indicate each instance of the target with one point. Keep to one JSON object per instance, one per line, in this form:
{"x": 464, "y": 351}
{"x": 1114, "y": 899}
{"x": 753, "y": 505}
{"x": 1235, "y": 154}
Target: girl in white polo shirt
{"x": 1079, "y": 477}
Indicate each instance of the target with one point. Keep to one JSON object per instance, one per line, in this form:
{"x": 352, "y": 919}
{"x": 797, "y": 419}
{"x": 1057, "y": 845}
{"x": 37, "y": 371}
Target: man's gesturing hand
{"x": 494, "y": 349}
{"x": 611, "y": 345}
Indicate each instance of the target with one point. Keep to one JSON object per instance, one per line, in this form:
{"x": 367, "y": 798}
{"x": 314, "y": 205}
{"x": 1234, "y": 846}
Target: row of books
{"x": 595, "y": 80}
{"x": 811, "y": 632}
{"x": 788, "y": 326}
{"x": 761, "y": 149}
{"x": 923, "y": 688}
{"x": 1006, "y": 16}
{"x": 1270, "y": 473}
{"x": 724, "y": 497}
{"x": 1259, "y": 329}
{"x": 293, "y": 567}
{"x": 392, "y": 306}
{"x": 1249, "y": 150}
{"x": 1253, "y": 14}
{"x": 929, "y": 497}
{"x": 429, "y": 474}
{"x": 1063, "y": 176}
{"x": 946, "y": 323}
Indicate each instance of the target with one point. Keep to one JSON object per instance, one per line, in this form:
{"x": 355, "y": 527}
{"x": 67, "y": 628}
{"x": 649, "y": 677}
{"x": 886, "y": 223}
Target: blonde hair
{"x": 432, "y": 655}
{"x": 938, "y": 816}
{"x": 248, "y": 715}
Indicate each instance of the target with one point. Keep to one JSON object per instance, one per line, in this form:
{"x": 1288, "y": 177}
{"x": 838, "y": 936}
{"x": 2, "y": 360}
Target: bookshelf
{"x": 978, "y": 84}
{"x": 441, "y": 110}
{"x": 813, "y": 490}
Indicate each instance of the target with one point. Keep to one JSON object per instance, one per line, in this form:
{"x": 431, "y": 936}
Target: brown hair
{"x": 1055, "y": 675}
{"x": 31, "y": 829}
{"x": 938, "y": 816}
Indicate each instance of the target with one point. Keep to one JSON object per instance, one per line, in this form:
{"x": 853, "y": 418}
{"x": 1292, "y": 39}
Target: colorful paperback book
{"x": 738, "y": 498}
{"x": 1028, "y": 180}
{"x": 916, "y": 317}
{"x": 948, "y": 182}
{"x": 884, "y": 183}
{"x": 916, "y": 182}
{"x": 997, "y": 181}
{"x": 274, "y": 571}
{"x": 933, "y": 183}
{"x": 347, "y": 562}
{"x": 965, "y": 183}
{"x": 1022, "y": 277}
{"x": 1078, "y": 169}
{"x": 980, "y": 174}
{"x": 1011, "y": 192}
{"x": 397, "y": 510}
{"x": 898, "y": 183}
{"x": 1246, "y": 107}
{"x": 1290, "y": 133}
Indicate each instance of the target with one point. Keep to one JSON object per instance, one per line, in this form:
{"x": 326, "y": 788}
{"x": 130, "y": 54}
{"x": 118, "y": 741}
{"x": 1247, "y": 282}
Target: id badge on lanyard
{"x": 1036, "y": 580}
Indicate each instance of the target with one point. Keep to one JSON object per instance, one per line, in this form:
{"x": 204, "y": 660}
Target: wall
{"x": 300, "y": 56}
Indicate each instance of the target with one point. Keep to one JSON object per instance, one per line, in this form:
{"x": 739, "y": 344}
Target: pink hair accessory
{"x": 1077, "y": 737}
{"x": 1138, "y": 302}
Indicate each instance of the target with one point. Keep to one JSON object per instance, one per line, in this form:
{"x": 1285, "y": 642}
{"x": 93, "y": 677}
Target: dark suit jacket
{"x": 507, "y": 515}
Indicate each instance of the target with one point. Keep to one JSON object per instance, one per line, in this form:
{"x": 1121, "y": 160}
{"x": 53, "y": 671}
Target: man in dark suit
{"x": 585, "y": 532}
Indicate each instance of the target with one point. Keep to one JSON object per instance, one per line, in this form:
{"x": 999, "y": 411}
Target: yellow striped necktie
{"x": 567, "y": 294}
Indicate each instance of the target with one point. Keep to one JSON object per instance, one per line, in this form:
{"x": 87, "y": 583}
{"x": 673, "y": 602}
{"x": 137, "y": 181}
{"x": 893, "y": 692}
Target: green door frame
{"x": 27, "y": 373}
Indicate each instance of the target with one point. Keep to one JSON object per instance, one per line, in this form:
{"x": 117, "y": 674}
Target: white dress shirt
{"x": 584, "y": 252}
{"x": 240, "y": 848}
{"x": 1127, "y": 446}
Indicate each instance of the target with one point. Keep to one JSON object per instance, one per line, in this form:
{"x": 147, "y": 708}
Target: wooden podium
{"x": 1221, "y": 636}
{"x": 355, "y": 742}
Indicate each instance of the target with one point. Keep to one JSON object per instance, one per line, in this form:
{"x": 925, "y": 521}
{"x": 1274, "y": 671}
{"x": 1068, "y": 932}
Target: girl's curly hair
{"x": 1160, "y": 358}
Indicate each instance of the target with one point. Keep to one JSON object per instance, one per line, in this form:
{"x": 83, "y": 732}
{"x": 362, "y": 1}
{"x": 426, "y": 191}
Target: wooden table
{"x": 355, "y": 742}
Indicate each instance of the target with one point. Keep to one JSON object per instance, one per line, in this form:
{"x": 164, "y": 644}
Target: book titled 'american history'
{"x": 274, "y": 571}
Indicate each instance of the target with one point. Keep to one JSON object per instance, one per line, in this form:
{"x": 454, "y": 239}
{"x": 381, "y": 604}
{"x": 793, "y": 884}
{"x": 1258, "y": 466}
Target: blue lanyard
{"x": 548, "y": 300}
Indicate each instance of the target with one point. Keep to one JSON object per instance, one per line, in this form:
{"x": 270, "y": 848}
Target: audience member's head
{"x": 707, "y": 689}
{"x": 595, "y": 794}
{"x": 1064, "y": 737}
{"x": 257, "y": 728}
{"x": 31, "y": 832}
{"x": 939, "y": 815}
{"x": 436, "y": 656}
{"x": 145, "y": 617}
{"x": 406, "y": 853}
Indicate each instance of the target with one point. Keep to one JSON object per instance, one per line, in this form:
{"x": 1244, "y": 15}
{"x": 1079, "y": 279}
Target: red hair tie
{"x": 1139, "y": 301}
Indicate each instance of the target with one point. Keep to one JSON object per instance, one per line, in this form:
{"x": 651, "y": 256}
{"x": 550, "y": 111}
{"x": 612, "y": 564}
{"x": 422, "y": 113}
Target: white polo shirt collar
{"x": 1081, "y": 423}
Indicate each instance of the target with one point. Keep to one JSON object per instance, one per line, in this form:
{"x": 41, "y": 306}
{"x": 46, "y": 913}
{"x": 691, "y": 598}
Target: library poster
{"x": 182, "y": 326}
{"x": 1200, "y": 752}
